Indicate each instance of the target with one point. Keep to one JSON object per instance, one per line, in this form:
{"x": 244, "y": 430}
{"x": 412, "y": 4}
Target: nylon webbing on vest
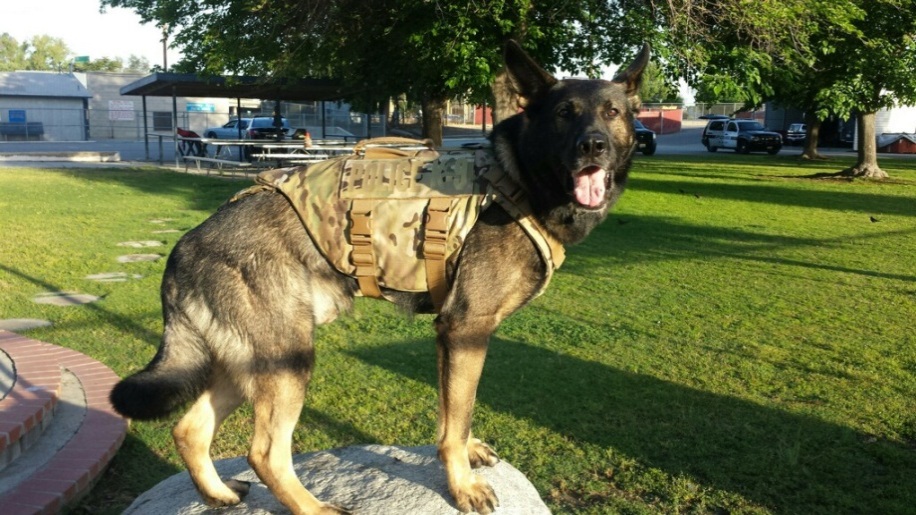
{"x": 363, "y": 257}
{"x": 434, "y": 246}
{"x": 512, "y": 198}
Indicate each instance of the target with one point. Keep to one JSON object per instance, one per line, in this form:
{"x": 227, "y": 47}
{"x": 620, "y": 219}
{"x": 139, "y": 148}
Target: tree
{"x": 862, "y": 61}
{"x": 40, "y": 53}
{"x": 104, "y": 64}
{"x": 430, "y": 50}
{"x": 46, "y": 53}
{"x": 655, "y": 87}
{"x": 800, "y": 87}
{"x": 877, "y": 69}
{"x": 138, "y": 64}
{"x": 837, "y": 57}
{"x": 12, "y": 54}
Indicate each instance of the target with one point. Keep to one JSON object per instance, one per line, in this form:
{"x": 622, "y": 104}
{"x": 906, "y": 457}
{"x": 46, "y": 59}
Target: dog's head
{"x": 574, "y": 139}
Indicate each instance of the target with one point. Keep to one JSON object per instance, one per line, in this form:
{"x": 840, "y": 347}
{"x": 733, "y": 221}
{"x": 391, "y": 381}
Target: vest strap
{"x": 435, "y": 237}
{"x": 513, "y": 199}
{"x": 362, "y": 256}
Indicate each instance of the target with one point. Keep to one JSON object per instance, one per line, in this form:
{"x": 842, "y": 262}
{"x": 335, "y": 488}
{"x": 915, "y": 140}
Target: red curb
{"x": 73, "y": 470}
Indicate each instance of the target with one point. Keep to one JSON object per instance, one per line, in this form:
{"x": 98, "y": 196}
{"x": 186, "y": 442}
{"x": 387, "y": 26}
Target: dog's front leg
{"x": 462, "y": 348}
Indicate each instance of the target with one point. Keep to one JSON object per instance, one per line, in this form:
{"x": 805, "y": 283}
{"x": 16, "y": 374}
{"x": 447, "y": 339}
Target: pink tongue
{"x": 590, "y": 186}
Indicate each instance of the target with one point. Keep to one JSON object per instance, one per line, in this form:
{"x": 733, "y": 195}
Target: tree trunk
{"x": 867, "y": 164}
{"x": 813, "y": 124}
{"x": 505, "y": 102}
{"x": 433, "y": 108}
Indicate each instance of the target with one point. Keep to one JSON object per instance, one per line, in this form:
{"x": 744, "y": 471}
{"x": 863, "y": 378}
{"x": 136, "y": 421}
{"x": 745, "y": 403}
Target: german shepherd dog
{"x": 243, "y": 292}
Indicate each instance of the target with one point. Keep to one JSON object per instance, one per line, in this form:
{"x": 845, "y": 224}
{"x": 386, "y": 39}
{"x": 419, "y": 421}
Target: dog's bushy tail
{"x": 166, "y": 383}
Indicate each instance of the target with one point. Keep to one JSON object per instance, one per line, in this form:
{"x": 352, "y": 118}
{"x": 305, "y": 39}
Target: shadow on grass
{"x": 652, "y": 238}
{"x": 344, "y": 433}
{"x": 780, "y": 194}
{"x": 135, "y": 469}
{"x": 201, "y": 192}
{"x": 790, "y": 463}
{"x": 114, "y": 319}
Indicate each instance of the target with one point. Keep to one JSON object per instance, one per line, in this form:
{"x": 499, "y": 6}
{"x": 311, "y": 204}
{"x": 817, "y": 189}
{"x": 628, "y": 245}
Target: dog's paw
{"x": 481, "y": 454}
{"x": 228, "y": 498}
{"x": 232, "y": 494}
{"x": 477, "y": 496}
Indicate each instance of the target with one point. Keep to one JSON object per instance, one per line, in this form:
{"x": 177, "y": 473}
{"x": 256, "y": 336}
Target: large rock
{"x": 371, "y": 479}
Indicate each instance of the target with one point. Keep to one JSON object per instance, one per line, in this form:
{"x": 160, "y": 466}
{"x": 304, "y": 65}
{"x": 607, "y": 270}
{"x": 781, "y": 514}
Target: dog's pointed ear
{"x": 528, "y": 78}
{"x": 632, "y": 76}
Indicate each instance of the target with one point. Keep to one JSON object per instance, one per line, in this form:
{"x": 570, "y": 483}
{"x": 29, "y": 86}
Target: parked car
{"x": 796, "y": 134}
{"x": 715, "y": 126}
{"x": 645, "y": 138}
{"x": 259, "y": 127}
{"x": 742, "y": 136}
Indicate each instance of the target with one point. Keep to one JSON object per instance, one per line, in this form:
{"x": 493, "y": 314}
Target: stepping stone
{"x": 166, "y": 231}
{"x": 161, "y": 220}
{"x": 136, "y": 258}
{"x": 113, "y": 277}
{"x": 62, "y": 298}
{"x": 140, "y": 244}
{"x": 22, "y": 324}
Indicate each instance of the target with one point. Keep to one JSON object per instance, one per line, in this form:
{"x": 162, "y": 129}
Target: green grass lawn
{"x": 736, "y": 338}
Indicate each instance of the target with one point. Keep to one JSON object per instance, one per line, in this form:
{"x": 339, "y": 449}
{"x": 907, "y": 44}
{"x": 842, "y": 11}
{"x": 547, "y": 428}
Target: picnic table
{"x": 256, "y": 154}
{"x": 285, "y": 154}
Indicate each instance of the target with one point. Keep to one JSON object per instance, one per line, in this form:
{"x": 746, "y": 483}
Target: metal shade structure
{"x": 193, "y": 85}
{"x": 209, "y": 86}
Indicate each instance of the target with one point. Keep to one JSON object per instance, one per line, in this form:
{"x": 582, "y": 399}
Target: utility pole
{"x": 165, "y": 46}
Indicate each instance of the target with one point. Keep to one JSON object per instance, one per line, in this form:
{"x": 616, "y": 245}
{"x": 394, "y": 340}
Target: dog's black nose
{"x": 592, "y": 144}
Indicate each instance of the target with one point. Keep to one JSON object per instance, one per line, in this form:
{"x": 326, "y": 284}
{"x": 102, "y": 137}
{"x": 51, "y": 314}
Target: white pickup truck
{"x": 259, "y": 127}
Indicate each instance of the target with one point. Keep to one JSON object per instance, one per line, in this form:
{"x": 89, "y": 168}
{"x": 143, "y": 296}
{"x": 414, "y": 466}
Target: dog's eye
{"x": 565, "y": 111}
{"x": 611, "y": 113}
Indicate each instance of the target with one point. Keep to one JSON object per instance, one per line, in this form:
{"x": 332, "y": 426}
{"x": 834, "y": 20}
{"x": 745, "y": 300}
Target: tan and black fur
{"x": 243, "y": 292}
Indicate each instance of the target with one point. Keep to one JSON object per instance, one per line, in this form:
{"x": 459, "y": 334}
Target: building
{"x": 54, "y": 106}
{"x": 43, "y": 105}
{"x": 116, "y": 116}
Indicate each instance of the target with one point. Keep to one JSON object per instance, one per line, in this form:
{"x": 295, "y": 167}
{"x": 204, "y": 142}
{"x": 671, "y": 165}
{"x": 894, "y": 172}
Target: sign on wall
{"x": 121, "y": 110}
{"x": 17, "y": 115}
{"x": 200, "y": 107}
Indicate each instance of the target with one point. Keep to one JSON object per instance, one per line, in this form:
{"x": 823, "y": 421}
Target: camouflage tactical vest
{"x": 393, "y": 218}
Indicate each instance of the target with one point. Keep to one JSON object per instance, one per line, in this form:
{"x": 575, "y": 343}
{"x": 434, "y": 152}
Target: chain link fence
{"x": 324, "y": 120}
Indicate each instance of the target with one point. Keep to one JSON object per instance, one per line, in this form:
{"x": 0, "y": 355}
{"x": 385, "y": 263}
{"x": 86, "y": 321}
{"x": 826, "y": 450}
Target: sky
{"x": 86, "y": 31}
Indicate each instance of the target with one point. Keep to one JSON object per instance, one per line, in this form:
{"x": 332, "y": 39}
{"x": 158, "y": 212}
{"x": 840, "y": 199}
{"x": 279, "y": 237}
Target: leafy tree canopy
{"x": 46, "y": 53}
{"x": 41, "y": 53}
{"x": 12, "y": 53}
{"x": 431, "y": 50}
{"x": 655, "y": 87}
{"x": 829, "y": 57}
{"x": 380, "y": 48}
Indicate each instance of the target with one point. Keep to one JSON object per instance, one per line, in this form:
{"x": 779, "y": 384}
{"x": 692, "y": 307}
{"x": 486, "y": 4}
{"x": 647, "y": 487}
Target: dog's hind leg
{"x": 193, "y": 435}
{"x": 277, "y": 405}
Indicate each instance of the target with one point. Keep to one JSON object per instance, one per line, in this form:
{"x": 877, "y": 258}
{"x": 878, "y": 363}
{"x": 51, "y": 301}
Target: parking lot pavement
{"x": 684, "y": 142}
